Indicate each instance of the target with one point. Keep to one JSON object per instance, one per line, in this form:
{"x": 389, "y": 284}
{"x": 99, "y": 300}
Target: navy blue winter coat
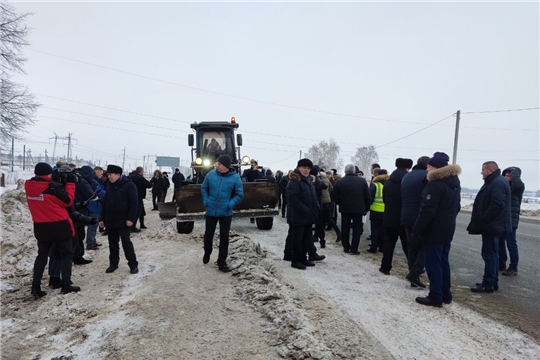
{"x": 491, "y": 209}
{"x": 178, "y": 180}
{"x": 440, "y": 204}
{"x": 120, "y": 203}
{"x": 392, "y": 198}
{"x": 141, "y": 183}
{"x": 221, "y": 192}
{"x": 412, "y": 186}
{"x": 351, "y": 193}
{"x": 517, "y": 187}
{"x": 302, "y": 204}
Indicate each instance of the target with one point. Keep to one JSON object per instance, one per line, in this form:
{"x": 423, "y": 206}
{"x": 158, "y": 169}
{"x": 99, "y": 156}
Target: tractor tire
{"x": 265, "y": 223}
{"x": 184, "y": 227}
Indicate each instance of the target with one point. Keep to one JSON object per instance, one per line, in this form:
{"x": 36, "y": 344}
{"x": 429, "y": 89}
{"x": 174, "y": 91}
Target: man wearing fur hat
{"x": 392, "y": 214}
{"x": 491, "y": 217}
{"x": 302, "y": 210}
{"x": 221, "y": 191}
{"x": 436, "y": 224}
{"x": 120, "y": 207}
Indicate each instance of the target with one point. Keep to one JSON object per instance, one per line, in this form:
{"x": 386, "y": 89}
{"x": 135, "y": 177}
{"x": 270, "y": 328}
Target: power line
{"x": 416, "y": 132}
{"x": 219, "y": 93}
{"x": 497, "y": 111}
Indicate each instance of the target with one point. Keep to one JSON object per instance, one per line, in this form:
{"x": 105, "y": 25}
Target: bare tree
{"x": 17, "y": 105}
{"x": 325, "y": 154}
{"x": 364, "y": 157}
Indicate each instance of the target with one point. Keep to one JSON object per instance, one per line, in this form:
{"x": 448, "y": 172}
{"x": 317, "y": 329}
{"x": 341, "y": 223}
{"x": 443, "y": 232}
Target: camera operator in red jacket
{"x": 48, "y": 202}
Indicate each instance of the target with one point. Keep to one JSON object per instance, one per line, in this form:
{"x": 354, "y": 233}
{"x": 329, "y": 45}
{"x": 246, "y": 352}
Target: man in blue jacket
{"x": 517, "y": 187}
{"x": 412, "y": 186}
{"x": 221, "y": 191}
{"x": 491, "y": 217}
{"x": 436, "y": 224}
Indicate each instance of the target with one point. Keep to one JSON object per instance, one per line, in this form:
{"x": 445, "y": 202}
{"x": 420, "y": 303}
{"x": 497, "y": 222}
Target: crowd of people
{"x": 417, "y": 204}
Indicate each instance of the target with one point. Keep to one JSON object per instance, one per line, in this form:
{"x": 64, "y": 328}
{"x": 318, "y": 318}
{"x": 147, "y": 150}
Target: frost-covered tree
{"x": 17, "y": 105}
{"x": 326, "y": 155}
{"x": 364, "y": 157}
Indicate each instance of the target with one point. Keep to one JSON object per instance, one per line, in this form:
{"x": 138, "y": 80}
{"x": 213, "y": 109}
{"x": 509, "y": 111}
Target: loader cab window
{"x": 216, "y": 143}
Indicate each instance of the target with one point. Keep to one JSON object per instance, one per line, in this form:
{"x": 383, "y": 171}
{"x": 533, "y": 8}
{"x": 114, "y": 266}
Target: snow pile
{"x": 18, "y": 245}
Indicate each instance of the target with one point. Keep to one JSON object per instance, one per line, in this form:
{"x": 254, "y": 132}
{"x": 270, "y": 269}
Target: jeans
{"x": 490, "y": 254}
{"x": 377, "y": 234}
{"x": 510, "y": 239}
{"x": 416, "y": 253}
{"x": 91, "y": 230}
{"x": 61, "y": 251}
{"x": 123, "y": 234}
{"x": 224, "y": 228}
{"x": 438, "y": 271}
{"x": 357, "y": 227}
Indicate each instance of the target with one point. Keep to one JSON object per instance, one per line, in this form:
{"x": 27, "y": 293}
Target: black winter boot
{"x": 37, "y": 293}
{"x": 68, "y": 288}
{"x": 141, "y": 221}
{"x": 55, "y": 282}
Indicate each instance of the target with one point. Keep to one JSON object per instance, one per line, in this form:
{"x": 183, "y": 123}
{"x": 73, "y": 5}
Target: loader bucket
{"x": 167, "y": 210}
{"x": 257, "y": 195}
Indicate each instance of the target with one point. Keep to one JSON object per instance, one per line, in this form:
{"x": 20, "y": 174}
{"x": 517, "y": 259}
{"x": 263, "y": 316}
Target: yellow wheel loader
{"x": 210, "y": 140}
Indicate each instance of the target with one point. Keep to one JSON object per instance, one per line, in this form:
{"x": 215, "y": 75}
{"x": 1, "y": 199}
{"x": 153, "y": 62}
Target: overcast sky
{"x": 313, "y": 71}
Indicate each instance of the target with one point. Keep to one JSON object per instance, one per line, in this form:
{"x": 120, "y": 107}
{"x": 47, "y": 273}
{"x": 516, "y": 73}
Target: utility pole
{"x": 124, "y": 160}
{"x": 46, "y": 157}
{"x": 69, "y": 148}
{"x": 24, "y": 158}
{"x": 454, "y": 158}
{"x": 300, "y": 154}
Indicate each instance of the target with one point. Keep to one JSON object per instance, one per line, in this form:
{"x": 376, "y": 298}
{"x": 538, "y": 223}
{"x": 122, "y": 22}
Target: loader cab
{"x": 210, "y": 141}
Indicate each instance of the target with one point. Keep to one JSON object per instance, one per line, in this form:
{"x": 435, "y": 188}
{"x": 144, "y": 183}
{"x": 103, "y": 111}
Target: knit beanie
{"x": 439, "y": 160}
{"x": 43, "y": 169}
{"x": 225, "y": 160}
{"x": 305, "y": 162}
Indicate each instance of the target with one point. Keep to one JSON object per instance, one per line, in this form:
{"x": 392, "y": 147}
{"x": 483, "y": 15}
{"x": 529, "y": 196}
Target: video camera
{"x": 65, "y": 174}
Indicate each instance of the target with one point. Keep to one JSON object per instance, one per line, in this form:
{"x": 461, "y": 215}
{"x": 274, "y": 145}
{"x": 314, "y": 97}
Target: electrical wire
{"x": 415, "y": 132}
{"x": 498, "y": 111}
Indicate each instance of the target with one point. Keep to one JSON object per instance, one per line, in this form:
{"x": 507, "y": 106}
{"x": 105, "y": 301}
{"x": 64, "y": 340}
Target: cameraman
{"x": 48, "y": 202}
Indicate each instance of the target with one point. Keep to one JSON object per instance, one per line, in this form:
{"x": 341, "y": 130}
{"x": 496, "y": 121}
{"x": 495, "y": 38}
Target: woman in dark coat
{"x": 158, "y": 188}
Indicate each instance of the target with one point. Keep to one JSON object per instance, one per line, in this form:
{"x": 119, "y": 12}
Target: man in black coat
{"x": 412, "y": 186}
{"x": 351, "y": 194}
{"x": 491, "y": 217}
{"x": 301, "y": 213}
{"x": 392, "y": 214}
{"x": 283, "y": 187}
{"x": 119, "y": 214}
{"x": 178, "y": 180}
{"x": 436, "y": 224}
{"x": 83, "y": 193}
{"x": 142, "y": 185}
{"x": 517, "y": 187}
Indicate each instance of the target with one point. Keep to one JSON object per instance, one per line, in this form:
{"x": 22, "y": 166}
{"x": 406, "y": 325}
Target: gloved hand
{"x": 93, "y": 221}
{"x": 72, "y": 178}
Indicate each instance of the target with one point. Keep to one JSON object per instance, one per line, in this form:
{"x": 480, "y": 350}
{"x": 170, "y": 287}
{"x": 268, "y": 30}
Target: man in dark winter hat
{"x": 221, "y": 191}
{"x": 48, "y": 202}
{"x": 302, "y": 209}
{"x": 392, "y": 214}
{"x": 412, "y": 186}
{"x": 491, "y": 217}
{"x": 120, "y": 208}
{"x": 436, "y": 224}
{"x": 517, "y": 187}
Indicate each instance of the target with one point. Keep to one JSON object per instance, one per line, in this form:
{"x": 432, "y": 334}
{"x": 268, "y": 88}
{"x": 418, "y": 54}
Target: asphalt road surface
{"x": 517, "y": 303}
